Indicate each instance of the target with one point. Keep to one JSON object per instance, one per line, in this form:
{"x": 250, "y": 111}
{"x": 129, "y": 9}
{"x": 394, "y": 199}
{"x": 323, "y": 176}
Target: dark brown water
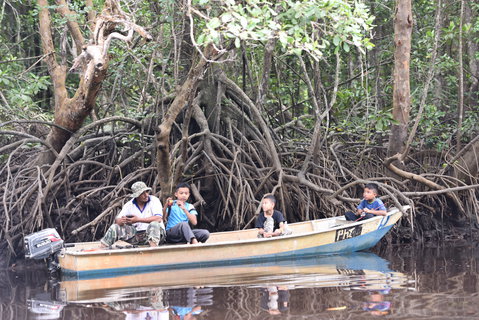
{"x": 401, "y": 283}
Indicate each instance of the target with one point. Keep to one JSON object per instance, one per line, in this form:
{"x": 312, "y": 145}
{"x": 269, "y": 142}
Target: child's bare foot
{"x": 193, "y": 241}
{"x": 153, "y": 244}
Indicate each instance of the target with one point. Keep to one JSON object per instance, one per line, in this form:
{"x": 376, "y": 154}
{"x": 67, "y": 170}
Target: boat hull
{"x": 312, "y": 238}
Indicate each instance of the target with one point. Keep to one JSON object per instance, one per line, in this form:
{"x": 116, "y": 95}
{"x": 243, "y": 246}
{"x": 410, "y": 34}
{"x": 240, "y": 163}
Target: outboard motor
{"x": 44, "y": 244}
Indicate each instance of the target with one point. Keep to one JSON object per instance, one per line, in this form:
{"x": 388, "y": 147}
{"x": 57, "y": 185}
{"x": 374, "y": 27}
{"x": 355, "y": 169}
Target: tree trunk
{"x": 401, "y": 92}
{"x": 430, "y": 75}
{"x": 183, "y": 98}
{"x": 472, "y": 49}
{"x": 460, "y": 89}
{"x": 263, "y": 86}
{"x": 466, "y": 162}
{"x": 92, "y": 61}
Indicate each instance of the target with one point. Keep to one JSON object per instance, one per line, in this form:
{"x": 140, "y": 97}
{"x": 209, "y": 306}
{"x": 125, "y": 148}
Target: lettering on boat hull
{"x": 348, "y": 233}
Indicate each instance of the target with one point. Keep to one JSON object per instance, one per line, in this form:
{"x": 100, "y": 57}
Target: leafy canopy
{"x": 300, "y": 26}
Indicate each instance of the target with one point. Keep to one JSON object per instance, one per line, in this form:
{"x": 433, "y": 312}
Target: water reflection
{"x": 43, "y": 307}
{"x": 376, "y": 303}
{"x": 410, "y": 284}
{"x": 188, "y": 294}
{"x": 182, "y": 303}
{"x": 363, "y": 269}
{"x": 275, "y": 299}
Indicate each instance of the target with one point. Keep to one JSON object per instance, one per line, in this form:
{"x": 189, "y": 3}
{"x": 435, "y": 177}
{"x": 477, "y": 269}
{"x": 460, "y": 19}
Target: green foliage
{"x": 20, "y": 90}
{"x": 318, "y": 30}
{"x": 300, "y": 26}
{"x": 432, "y": 118}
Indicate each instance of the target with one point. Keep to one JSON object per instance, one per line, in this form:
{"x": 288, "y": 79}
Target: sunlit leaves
{"x": 213, "y": 23}
{"x": 300, "y": 26}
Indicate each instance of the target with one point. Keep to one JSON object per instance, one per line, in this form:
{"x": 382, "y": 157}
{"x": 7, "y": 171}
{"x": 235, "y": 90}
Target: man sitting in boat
{"x": 370, "y": 206}
{"x": 270, "y": 222}
{"x": 178, "y": 215}
{"x": 140, "y": 221}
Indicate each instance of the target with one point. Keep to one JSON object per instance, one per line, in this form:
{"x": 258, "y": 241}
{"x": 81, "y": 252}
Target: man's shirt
{"x": 152, "y": 208}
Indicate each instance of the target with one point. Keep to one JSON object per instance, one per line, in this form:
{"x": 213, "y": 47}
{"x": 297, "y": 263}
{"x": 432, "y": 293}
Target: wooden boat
{"x": 310, "y": 238}
{"x": 354, "y": 271}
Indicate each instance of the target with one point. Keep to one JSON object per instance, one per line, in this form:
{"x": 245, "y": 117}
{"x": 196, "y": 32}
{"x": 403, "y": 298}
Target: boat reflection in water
{"x": 189, "y": 292}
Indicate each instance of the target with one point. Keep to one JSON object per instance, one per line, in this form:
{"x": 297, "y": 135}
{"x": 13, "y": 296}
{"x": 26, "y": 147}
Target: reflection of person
{"x": 370, "y": 206}
{"x": 270, "y": 222}
{"x": 146, "y": 313}
{"x": 187, "y": 303}
{"x": 186, "y": 313}
{"x": 275, "y": 299}
{"x": 141, "y": 308}
{"x": 376, "y": 304}
{"x": 179, "y": 214}
{"x": 139, "y": 221}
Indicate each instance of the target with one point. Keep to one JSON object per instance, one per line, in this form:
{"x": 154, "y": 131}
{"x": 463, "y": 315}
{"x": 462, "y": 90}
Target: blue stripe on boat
{"x": 358, "y": 243}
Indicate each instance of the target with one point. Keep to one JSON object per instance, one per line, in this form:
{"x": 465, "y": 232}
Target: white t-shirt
{"x": 147, "y": 314}
{"x": 152, "y": 208}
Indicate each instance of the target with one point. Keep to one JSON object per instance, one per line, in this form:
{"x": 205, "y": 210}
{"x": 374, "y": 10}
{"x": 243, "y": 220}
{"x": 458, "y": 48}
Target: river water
{"x": 396, "y": 283}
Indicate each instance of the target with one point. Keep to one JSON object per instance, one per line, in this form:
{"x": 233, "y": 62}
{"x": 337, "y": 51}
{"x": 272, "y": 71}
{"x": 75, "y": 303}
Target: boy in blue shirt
{"x": 370, "y": 206}
{"x": 180, "y": 214}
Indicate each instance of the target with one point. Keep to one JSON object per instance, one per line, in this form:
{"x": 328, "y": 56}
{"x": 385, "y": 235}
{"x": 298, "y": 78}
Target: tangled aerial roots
{"x": 230, "y": 167}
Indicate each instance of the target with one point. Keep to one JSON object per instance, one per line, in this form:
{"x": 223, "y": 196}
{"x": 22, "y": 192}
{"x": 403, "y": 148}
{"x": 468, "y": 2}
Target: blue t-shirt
{"x": 177, "y": 215}
{"x": 376, "y": 204}
{"x": 183, "y": 311}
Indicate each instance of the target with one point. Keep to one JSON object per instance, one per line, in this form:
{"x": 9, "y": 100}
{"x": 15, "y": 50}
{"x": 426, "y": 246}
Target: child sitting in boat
{"x": 179, "y": 214}
{"x": 270, "y": 222}
{"x": 370, "y": 206}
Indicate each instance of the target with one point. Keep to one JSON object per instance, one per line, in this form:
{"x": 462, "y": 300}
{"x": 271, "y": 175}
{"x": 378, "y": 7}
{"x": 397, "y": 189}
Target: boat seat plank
{"x": 233, "y": 236}
{"x": 301, "y": 228}
{"x": 343, "y": 222}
